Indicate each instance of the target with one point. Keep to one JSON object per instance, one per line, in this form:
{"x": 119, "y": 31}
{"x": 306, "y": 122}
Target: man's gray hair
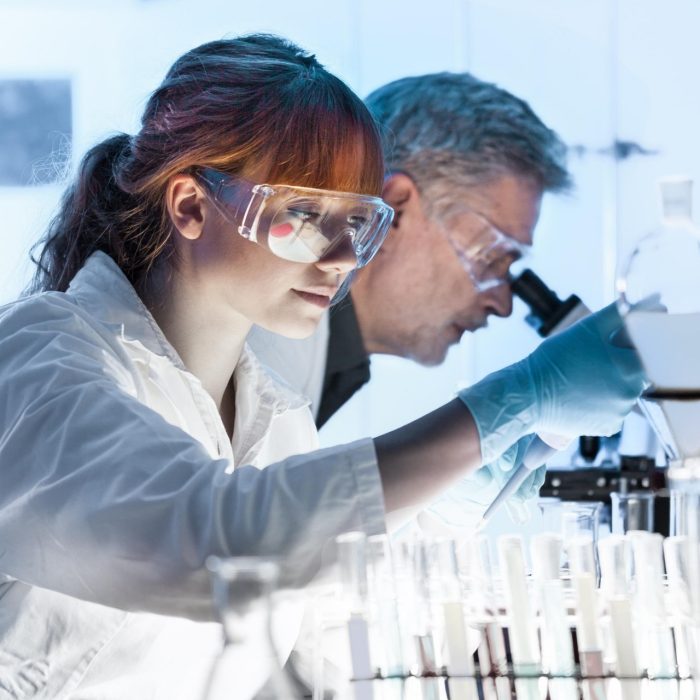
{"x": 453, "y": 131}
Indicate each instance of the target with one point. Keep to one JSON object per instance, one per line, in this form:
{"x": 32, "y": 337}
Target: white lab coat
{"x": 115, "y": 487}
{"x": 301, "y": 362}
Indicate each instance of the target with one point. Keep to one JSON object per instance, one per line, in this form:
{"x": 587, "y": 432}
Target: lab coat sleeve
{"x": 104, "y": 500}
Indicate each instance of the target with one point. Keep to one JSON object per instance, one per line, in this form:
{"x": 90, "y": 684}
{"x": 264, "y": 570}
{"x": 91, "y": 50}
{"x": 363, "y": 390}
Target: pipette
{"x": 537, "y": 454}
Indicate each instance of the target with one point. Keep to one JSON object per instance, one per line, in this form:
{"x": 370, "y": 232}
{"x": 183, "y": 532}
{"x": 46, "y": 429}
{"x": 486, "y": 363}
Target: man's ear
{"x": 399, "y": 192}
{"x": 186, "y": 205}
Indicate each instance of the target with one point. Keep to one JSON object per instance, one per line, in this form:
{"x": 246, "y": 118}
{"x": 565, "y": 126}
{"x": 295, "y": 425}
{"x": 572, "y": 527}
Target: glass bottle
{"x": 659, "y": 299}
{"x": 242, "y": 589}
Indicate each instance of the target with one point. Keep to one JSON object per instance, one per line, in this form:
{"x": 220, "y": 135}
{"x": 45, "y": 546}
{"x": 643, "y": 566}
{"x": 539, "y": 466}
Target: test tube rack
{"x": 435, "y": 619}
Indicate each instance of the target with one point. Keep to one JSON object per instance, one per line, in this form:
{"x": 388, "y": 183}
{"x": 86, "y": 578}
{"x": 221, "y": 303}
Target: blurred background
{"x": 613, "y": 77}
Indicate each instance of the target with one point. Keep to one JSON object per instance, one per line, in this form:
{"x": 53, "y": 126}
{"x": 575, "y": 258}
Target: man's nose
{"x": 500, "y": 300}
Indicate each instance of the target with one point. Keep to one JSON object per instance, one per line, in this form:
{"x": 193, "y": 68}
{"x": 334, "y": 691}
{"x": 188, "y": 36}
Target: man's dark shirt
{"x": 347, "y": 363}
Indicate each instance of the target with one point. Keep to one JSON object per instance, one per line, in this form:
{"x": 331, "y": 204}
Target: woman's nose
{"x": 340, "y": 258}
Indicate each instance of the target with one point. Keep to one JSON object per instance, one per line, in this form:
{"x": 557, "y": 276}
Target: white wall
{"x": 592, "y": 69}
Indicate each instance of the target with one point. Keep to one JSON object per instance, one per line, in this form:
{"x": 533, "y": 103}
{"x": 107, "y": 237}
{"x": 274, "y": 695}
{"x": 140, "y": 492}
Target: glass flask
{"x": 659, "y": 299}
{"x": 242, "y": 589}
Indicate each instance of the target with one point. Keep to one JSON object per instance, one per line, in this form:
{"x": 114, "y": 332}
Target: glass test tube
{"x": 557, "y": 649}
{"x": 429, "y": 662}
{"x": 522, "y": 630}
{"x": 676, "y": 556}
{"x": 459, "y": 660}
{"x": 615, "y": 563}
{"x": 616, "y": 574}
{"x": 386, "y": 630}
{"x": 424, "y": 630}
{"x": 583, "y": 569}
{"x": 683, "y": 565}
{"x": 351, "y": 549}
{"x": 685, "y": 514}
{"x": 583, "y": 566}
{"x": 647, "y": 551}
{"x": 483, "y": 601}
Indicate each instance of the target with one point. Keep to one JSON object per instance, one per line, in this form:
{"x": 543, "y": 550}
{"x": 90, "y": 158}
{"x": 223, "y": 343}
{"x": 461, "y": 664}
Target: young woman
{"x": 135, "y": 423}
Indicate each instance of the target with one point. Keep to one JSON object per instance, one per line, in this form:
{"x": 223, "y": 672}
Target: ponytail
{"x": 94, "y": 214}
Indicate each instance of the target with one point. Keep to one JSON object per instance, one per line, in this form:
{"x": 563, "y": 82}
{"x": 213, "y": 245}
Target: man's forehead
{"x": 510, "y": 203}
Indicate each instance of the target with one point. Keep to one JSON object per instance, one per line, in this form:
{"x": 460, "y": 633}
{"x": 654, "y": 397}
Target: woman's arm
{"x": 102, "y": 499}
{"x": 423, "y": 458}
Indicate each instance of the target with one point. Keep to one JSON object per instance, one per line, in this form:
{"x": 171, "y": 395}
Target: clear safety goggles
{"x": 485, "y": 252}
{"x": 300, "y": 224}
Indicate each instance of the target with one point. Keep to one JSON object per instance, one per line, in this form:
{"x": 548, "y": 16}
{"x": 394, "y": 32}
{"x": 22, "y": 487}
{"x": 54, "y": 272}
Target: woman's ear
{"x": 186, "y": 205}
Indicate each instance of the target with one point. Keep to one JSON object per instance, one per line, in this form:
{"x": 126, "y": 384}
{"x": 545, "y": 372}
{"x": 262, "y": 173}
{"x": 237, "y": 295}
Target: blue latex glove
{"x": 463, "y": 505}
{"x": 575, "y": 383}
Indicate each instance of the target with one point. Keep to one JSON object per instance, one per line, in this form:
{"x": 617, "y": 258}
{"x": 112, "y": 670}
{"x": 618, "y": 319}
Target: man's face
{"x": 416, "y": 298}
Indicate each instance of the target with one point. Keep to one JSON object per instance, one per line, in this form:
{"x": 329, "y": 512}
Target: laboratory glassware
{"x": 632, "y": 511}
{"x": 242, "y": 591}
{"x": 659, "y": 298}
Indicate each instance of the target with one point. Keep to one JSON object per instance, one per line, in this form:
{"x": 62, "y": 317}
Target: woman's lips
{"x": 321, "y": 300}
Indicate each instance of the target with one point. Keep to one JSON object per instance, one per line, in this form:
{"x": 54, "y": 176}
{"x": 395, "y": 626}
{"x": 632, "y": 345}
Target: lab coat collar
{"x": 102, "y": 289}
{"x": 106, "y": 294}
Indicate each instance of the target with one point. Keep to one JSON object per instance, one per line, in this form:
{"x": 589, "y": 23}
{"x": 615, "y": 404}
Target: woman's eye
{"x": 303, "y": 214}
{"x": 356, "y": 221}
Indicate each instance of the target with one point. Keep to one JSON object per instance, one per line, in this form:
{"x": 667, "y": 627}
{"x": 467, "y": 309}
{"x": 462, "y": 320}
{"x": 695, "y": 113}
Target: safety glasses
{"x": 300, "y": 224}
{"x": 485, "y": 252}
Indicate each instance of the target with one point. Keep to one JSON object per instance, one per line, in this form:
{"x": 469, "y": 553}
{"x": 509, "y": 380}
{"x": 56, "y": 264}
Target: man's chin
{"x": 431, "y": 357}
{"x": 432, "y": 354}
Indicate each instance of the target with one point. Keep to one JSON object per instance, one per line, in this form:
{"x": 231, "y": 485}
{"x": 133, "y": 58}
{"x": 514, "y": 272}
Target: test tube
{"x": 582, "y": 562}
{"x": 615, "y": 564}
{"x": 351, "y": 549}
{"x": 683, "y": 565}
{"x": 647, "y": 550}
{"x": 383, "y": 596}
{"x": 676, "y": 556}
{"x": 615, "y": 560}
{"x": 414, "y": 587}
{"x": 459, "y": 662}
{"x": 424, "y": 632}
{"x": 685, "y": 514}
{"x": 583, "y": 575}
{"x": 522, "y": 630}
{"x": 627, "y": 667}
{"x": 491, "y": 653}
{"x": 557, "y": 649}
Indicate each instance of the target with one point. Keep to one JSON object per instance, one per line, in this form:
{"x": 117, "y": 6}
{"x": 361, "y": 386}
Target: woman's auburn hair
{"x": 255, "y": 100}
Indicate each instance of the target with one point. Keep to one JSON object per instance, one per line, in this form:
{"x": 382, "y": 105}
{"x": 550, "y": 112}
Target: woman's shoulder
{"x": 52, "y": 312}
{"x": 44, "y": 308}
{"x": 48, "y": 331}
